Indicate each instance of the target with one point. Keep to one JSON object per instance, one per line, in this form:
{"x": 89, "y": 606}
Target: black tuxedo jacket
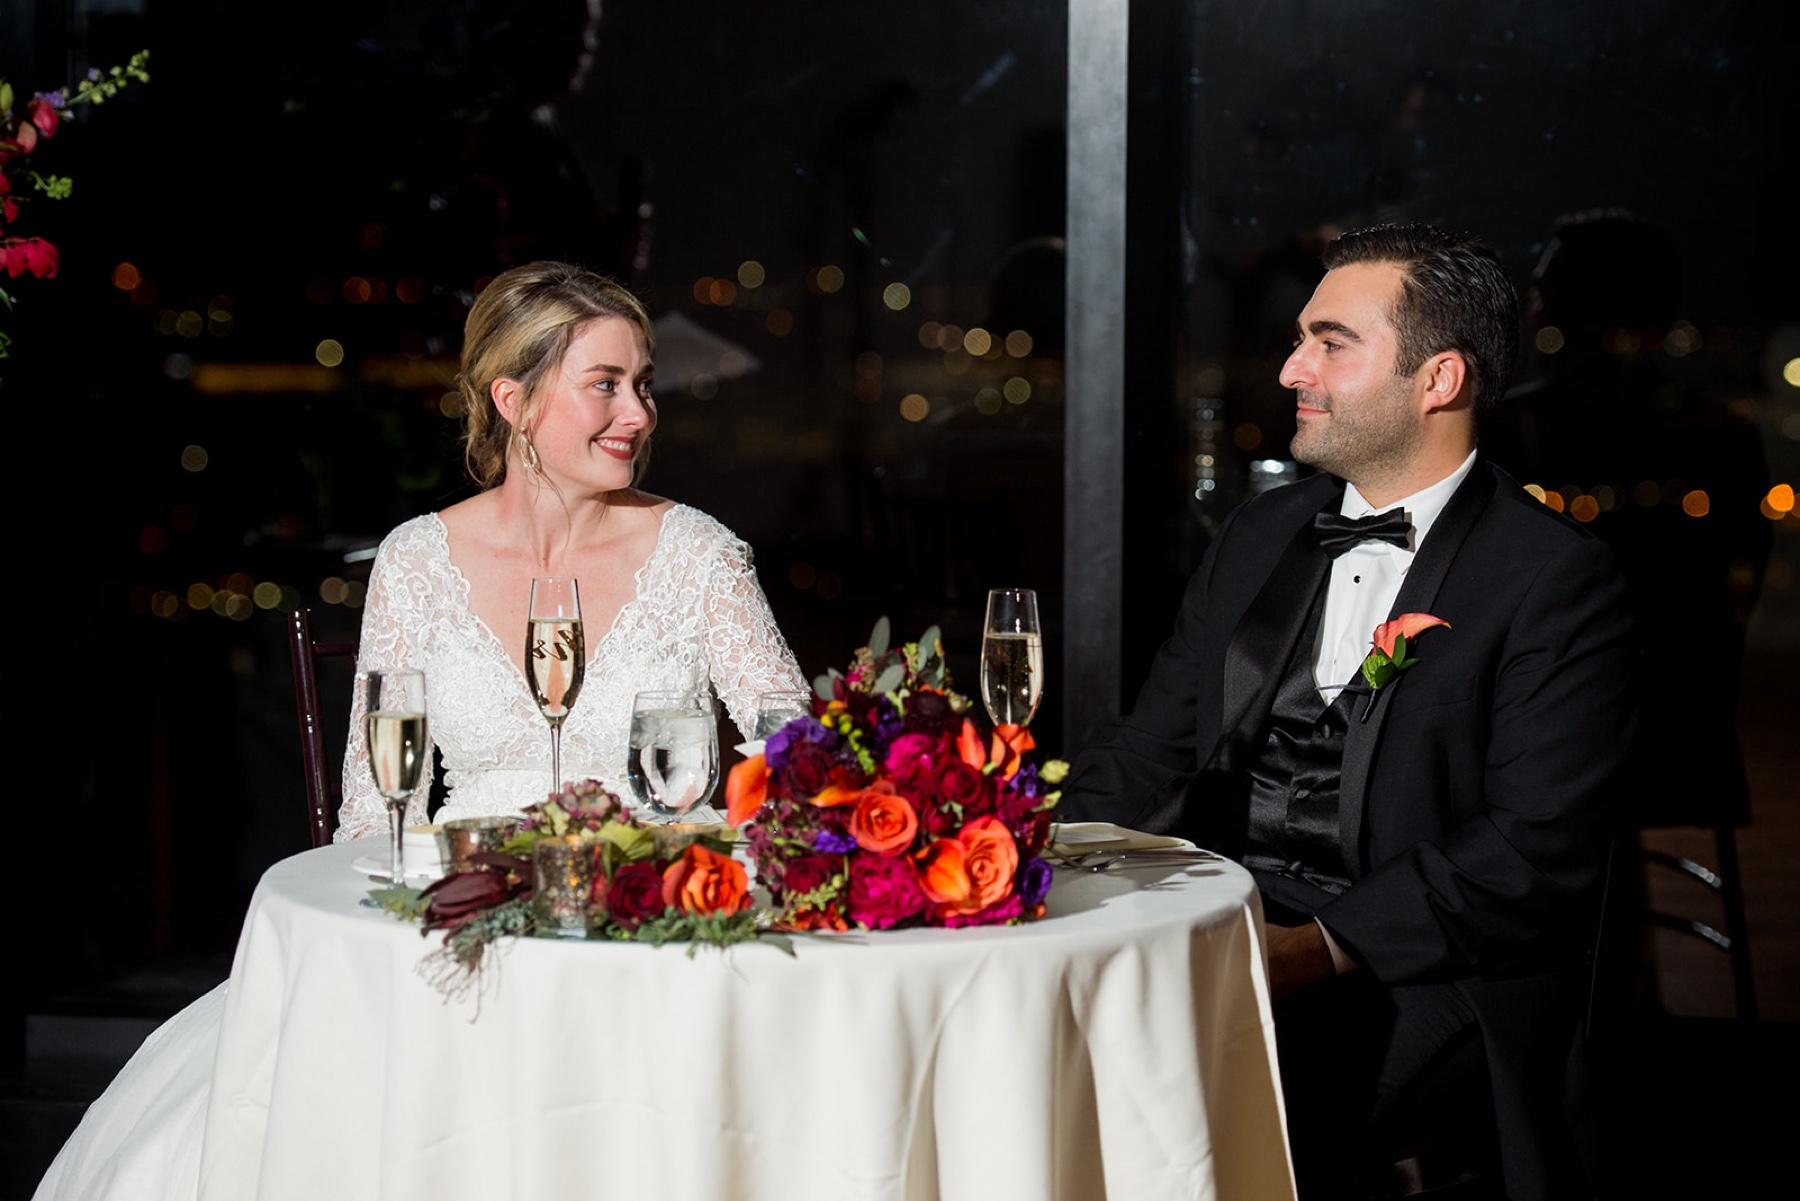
{"x": 1475, "y": 791}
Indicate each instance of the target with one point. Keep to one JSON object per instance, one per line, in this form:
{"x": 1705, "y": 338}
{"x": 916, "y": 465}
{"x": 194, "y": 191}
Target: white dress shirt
{"x": 1365, "y": 580}
{"x": 1362, "y": 587}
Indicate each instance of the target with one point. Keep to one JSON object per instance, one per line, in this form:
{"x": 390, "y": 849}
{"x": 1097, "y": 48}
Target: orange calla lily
{"x": 1011, "y": 743}
{"x": 969, "y": 746}
{"x": 943, "y": 874}
{"x": 1408, "y": 626}
{"x": 746, "y": 788}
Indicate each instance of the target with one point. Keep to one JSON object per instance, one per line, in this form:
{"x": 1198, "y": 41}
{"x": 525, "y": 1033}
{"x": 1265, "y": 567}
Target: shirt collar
{"x": 1422, "y": 507}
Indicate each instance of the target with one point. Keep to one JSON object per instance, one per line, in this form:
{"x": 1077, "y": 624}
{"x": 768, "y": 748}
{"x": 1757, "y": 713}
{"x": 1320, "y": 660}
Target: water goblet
{"x": 1012, "y": 657}
{"x": 399, "y": 746}
{"x": 673, "y": 759}
{"x": 776, "y": 709}
{"x": 555, "y": 657}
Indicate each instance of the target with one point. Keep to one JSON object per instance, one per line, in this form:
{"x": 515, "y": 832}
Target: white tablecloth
{"x": 1122, "y": 1048}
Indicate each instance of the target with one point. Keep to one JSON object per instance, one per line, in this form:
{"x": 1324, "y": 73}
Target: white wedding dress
{"x": 698, "y": 617}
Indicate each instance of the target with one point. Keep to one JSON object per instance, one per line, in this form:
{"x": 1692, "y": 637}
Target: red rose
{"x": 884, "y": 891}
{"x": 635, "y": 895}
{"x": 964, "y": 785}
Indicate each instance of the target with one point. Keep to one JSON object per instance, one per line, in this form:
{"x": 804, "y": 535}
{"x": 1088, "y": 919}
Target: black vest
{"x": 1293, "y": 833}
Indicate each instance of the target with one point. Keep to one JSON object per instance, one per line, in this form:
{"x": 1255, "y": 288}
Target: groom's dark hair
{"x": 1456, "y": 296}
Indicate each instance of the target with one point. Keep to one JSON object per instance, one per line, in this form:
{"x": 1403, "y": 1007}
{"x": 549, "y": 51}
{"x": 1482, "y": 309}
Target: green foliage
{"x": 54, "y": 187}
{"x": 718, "y": 930}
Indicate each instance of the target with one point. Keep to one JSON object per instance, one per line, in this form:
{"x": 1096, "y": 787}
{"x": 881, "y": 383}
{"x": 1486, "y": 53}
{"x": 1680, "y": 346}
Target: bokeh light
{"x": 1017, "y": 390}
{"x": 780, "y": 322}
{"x": 329, "y": 353}
{"x": 896, "y": 296}
{"x": 1584, "y": 508}
{"x": 194, "y": 458}
{"x": 750, "y": 273}
{"x": 1018, "y": 344}
{"x": 125, "y": 277}
{"x": 978, "y": 341}
{"x": 1696, "y": 503}
{"x": 914, "y": 407}
{"x": 704, "y": 386}
{"x": 1549, "y": 340}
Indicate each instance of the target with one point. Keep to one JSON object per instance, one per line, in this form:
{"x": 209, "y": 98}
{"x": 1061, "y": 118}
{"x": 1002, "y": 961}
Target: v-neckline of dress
{"x": 517, "y": 673}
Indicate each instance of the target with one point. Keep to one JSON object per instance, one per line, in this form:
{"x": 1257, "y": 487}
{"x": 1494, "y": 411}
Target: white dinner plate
{"x": 1078, "y": 838}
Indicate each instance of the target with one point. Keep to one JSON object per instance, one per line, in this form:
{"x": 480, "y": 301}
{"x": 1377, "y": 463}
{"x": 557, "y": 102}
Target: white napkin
{"x": 1081, "y": 838}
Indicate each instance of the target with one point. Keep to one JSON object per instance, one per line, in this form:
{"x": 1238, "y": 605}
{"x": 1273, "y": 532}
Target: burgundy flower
{"x": 1005, "y": 911}
{"x": 884, "y": 891}
{"x": 807, "y": 873}
{"x": 455, "y": 900}
{"x": 808, "y": 769}
{"x": 963, "y": 785}
{"x": 914, "y": 750}
{"x": 17, "y": 256}
{"x": 930, "y": 713}
{"x": 938, "y": 821}
{"x": 635, "y": 894}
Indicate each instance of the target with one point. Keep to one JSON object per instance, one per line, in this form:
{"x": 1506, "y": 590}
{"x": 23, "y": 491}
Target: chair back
{"x": 322, "y": 789}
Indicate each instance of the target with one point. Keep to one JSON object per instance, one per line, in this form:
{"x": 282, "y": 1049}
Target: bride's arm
{"x": 383, "y": 647}
{"x": 746, "y": 653}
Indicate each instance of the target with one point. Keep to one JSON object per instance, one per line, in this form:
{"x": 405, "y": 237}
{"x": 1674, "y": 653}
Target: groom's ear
{"x": 1443, "y": 380}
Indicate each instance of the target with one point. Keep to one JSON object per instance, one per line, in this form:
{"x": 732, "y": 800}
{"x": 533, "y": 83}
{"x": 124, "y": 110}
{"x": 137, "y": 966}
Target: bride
{"x": 556, "y": 381}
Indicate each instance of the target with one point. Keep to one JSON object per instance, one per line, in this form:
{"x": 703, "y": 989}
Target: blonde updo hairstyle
{"x": 519, "y": 329}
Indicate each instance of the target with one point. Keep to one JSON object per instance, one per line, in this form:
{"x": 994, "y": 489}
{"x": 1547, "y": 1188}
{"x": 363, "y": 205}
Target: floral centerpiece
{"x": 891, "y": 806}
{"x": 651, "y": 884}
{"x": 21, "y": 132}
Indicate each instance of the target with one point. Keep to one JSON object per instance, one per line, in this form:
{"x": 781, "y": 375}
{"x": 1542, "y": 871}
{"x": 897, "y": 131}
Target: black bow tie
{"x": 1338, "y": 533}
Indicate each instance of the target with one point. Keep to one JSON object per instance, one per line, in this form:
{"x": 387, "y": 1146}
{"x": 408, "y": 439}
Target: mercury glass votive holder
{"x": 464, "y": 836}
{"x": 562, "y": 870}
{"x": 672, "y": 838}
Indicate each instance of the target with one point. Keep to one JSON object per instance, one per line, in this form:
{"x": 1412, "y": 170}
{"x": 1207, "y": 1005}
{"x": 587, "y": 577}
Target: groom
{"x": 1429, "y": 851}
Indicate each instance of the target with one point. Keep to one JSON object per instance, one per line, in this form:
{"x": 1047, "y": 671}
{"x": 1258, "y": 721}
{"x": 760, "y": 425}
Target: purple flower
{"x": 1034, "y": 881}
{"x": 833, "y": 842}
{"x": 780, "y": 745}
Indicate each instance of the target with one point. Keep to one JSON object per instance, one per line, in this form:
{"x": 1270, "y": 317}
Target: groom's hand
{"x": 1298, "y": 957}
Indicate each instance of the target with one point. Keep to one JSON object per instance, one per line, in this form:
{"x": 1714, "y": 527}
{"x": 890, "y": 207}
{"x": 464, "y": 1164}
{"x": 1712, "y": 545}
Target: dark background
{"x": 353, "y": 172}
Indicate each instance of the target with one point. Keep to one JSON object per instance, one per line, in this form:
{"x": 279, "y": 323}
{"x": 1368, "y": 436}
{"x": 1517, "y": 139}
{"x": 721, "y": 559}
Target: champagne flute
{"x": 1012, "y": 657}
{"x": 555, "y": 657}
{"x": 394, "y": 729}
{"x": 673, "y": 762}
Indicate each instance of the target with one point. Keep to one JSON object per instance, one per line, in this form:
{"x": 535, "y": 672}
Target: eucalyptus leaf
{"x": 822, "y": 687}
{"x": 6, "y": 97}
{"x": 880, "y": 637}
{"x": 891, "y": 677}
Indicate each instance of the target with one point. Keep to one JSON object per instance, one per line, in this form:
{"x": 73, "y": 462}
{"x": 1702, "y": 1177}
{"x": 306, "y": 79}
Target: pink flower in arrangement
{"x": 43, "y": 115}
{"x": 19, "y": 255}
{"x": 884, "y": 890}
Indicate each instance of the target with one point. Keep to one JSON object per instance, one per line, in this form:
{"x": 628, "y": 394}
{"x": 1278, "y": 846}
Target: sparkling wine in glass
{"x": 673, "y": 760}
{"x": 1012, "y": 657}
{"x": 555, "y": 657}
{"x": 399, "y": 747}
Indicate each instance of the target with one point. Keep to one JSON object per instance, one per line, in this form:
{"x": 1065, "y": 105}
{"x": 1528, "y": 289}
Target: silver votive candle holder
{"x": 562, "y": 872}
{"x": 466, "y": 836}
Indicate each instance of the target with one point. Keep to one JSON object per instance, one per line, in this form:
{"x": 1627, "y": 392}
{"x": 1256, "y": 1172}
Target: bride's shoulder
{"x": 697, "y": 531}
{"x": 421, "y": 536}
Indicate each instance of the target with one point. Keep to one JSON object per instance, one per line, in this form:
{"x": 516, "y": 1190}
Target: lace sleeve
{"x": 384, "y": 646}
{"x": 745, "y": 651}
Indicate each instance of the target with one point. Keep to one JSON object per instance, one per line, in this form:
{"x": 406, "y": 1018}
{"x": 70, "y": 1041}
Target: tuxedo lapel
{"x": 1417, "y": 594}
{"x": 1263, "y": 641}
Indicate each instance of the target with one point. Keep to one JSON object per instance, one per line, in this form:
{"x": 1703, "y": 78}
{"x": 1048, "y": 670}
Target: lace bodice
{"x": 698, "y": 616}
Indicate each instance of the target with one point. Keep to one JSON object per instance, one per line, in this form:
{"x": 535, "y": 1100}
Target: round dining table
{"x": 1122, "y": 1047}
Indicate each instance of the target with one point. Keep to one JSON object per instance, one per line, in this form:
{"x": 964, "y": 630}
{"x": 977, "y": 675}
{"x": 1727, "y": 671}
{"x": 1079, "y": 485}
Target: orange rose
{"x": 884, "y": 822}
{"x": 746, "y": 788}
{"x": 704, "y": 882}
{"x": 1010, "y": 745}
{"x": 942, "y": 874}
{"x": 990, "y": 861}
